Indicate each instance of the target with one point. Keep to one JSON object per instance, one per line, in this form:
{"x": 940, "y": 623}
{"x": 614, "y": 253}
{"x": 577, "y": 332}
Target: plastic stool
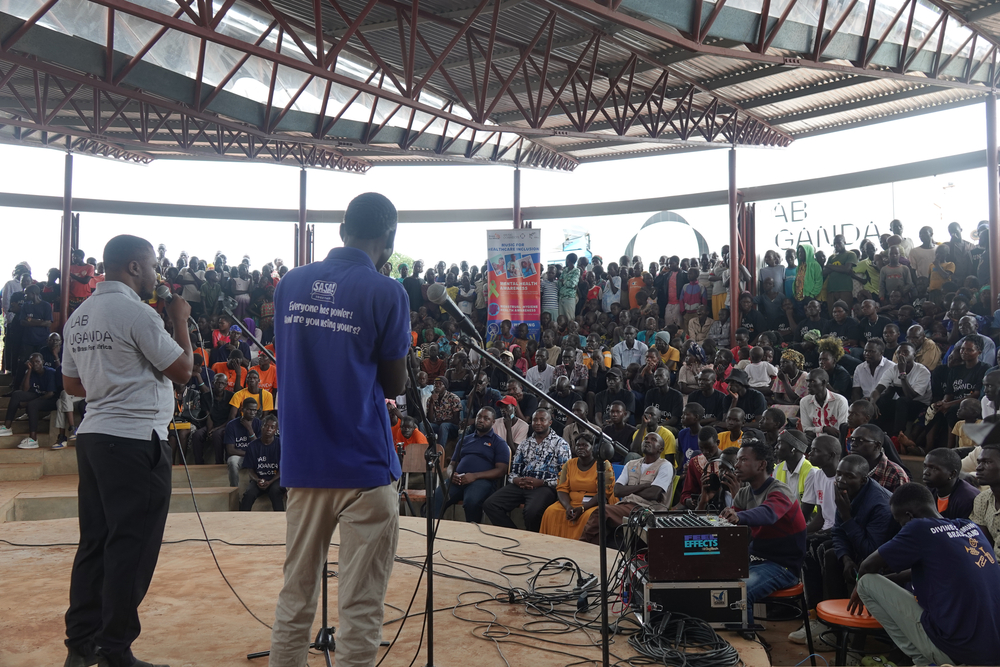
{"x": 797, "y": 595}
{"x": 834, "y": 613}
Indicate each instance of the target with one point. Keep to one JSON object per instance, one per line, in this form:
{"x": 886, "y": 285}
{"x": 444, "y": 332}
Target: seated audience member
{"x": 615, "y": 392}
{"x": 904, "y": 390}
{"x": 443, "y": 411}
{"x": 481, "y": 396}
{"x": 750, "y": 401}
{"x": 668, "y": 400}
{"x": 561, "y": 393}
{"x": 863, "y": 412}
{"x": 735, "y": 419}
{"x": 969, "y": 412}
{"x": 840, "y": 380}
{"x": 573, "y": 429}
{"x": 404, "y": 428}
{"x": 214, "y": 429}
{"x": 822, "y": 411}
{"x": 534, "y": 473}
{"x": 869, "y": 373}
{"x": 262, "y": 459}
{"x": 577, "y": 373}
{"x": 990, "y": 402}
{"x": 506, "y": 423}
{"x": 267, "y": 373}
{"x": 759, "y": 372}
{"x": 772, "y": 424}
{"x": 36, "y": 394}
{"x": 540, "y": 375}
{"x": 793, "y": 467}
{"x": 777, "y": 529}
{"x": 986, "y": 509}
{"x": 705, "y": 463}
{"x": 577, "y": 492}
{"x": 253, "y": 390}
{"x": 790, "y": 384}
{"x": 953, "y": 495}
{"x": 644, "y": 482}
{"x": 715, "y": 403}
{"x": 651, "y": 424}
{"x": 618, "y": 429}
{"x": 952, "y": 613}
{"x": 687, "y": 438}
{"x": 525, "y": 404}
{"x": 964, "y": 379}
{"x": 867, "y": 441}
{"x": 968, "y": 326}
{"x": 233, "y": 370}
{"x": 819, "y": 500}
{"x": 479, "y": 464}
{"x": 239, "y": 433}
{"x": 629, "y": 351}
{"x": 925, "y": 351}
{"x": 433, "y": 364}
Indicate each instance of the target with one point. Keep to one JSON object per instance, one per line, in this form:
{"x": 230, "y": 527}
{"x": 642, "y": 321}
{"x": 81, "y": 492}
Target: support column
{"x": 66, "y": 238}
{"x": 994, "y": 193}
{"x": 303, "y": 232}
{"x": 517, "y": 199}
{"x": 734, "y": 251}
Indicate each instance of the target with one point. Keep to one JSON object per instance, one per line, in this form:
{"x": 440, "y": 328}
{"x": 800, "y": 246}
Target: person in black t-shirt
{"x": 604, "y": 400}
{"x": 262, "y": 459}
{"x": 750, "y": 319}
{"x": 843, "y": 326}
{"x": 669, "y": 401}
{"x": 769, "y": 304}
{"x": 872, "y": 324}
{"x": 812, "y": 321}
{"x": 716, "y": 403}
{"x": 750, "y": 401}
{"x": 618, "y": 429}
{"x": 964, "y": 380}
{"x": 215, "y": 425}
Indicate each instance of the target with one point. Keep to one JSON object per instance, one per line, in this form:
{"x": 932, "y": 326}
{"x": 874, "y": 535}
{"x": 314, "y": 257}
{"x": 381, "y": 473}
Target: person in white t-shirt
{"x": 760, "y": 372}
{"x": 540, "y": 375}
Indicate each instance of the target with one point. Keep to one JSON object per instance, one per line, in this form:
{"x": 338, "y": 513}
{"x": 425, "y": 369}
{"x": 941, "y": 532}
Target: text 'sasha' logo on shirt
{"x": 323, "y": 291}
{"x": 701, "y": 545}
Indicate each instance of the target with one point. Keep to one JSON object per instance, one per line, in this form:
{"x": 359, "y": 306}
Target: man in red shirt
{"x": 80, "y": 276}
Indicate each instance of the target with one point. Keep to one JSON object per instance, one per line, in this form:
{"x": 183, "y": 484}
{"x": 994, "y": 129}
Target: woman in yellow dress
{"x": 577, "y": 492}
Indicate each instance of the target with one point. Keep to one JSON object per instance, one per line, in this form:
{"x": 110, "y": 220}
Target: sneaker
{"x": 4, "y": 432}
{"x": 799, "y": 636}
{"x": 28, "y": 443}
{"x": 22, "y": 418}
{"x": 72, "y": 436}
{"x": 60, "y": 444}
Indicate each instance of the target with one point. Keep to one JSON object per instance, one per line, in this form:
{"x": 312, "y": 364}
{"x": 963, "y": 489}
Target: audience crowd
{"x": 794, "y": 426}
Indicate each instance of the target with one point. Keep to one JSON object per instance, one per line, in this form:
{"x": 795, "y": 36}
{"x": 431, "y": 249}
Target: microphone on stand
{"x": 163, "y": 292}
{"x": 438, "y": 295}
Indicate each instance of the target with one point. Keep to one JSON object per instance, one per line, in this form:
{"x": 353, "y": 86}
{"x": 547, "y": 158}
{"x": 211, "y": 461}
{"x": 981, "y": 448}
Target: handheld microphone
{"x": 163, "y": 292}
{"x": 437, "y": 294}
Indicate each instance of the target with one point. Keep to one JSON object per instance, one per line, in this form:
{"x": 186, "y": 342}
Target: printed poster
{"x": 513, "y": 290}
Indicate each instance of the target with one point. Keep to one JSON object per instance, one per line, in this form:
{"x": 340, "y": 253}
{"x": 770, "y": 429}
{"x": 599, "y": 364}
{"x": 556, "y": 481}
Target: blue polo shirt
{"x": 333, "y": 322}
{"x": 481, "y": 454}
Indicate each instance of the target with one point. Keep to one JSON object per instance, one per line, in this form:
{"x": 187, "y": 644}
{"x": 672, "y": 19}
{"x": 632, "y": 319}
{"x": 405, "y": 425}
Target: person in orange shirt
{"x": 80, "y": 275}
{"x": 233, "y": 370}
{"x": 268, "y": 373}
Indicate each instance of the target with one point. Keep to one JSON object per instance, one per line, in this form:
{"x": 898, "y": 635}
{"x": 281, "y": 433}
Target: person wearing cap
{"x": 750, "y": 401}
{"x": 821, "y": 411}
{"x": 506, "y": 424}
{"x": 443, "y": 411}
{"x": 793, "y": 467}
{"x": 615, "y": 392}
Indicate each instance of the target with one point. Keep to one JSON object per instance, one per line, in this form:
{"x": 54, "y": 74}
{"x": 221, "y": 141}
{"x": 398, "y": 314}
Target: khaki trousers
{"x": 369, "y": 531}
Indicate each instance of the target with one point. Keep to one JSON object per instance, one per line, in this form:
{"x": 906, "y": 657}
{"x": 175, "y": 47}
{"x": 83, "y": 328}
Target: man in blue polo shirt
{"x": 340, "y": 319}
{"x": 476, "y": 466}
{"x": 953, "y": 612}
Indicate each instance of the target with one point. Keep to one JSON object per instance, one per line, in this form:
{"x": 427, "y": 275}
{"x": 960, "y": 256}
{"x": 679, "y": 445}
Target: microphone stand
{"x": 433, "y": 462}
{"x": 604, "y": 450}
{"x": 227, "y": 309}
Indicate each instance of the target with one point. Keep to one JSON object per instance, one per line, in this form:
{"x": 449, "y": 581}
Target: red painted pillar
{"x": 66, "y": 237}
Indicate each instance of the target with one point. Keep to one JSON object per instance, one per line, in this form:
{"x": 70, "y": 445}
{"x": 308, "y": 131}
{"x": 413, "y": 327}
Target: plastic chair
{"x": 834, "y": 613}
{"x": 796, "y": 595}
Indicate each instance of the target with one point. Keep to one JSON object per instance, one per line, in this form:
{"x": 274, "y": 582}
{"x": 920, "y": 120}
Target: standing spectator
{"x": 568, "y": 281}
{"x": 549, "y": 286}
{"x": 922, "y": 257}
{"x": 35, "y": 318}
{"x": 211, "y": 295}
{"x": 960, "y": 251}
{"x": 191, "y": 278}
{"x": 773, "y": 269}
{"x": 533, "y": 476}
{"x": 808, "y": 276}
{"x": 839, "y": 272}
{"x": 80, "y": 276}
{"x": 894, "y": 276}
{"x": 263, "y": 459}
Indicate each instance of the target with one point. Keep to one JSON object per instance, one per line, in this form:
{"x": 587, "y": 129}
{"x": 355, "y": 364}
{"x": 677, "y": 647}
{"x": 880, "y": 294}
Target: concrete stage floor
{"x": 191, "y": 619}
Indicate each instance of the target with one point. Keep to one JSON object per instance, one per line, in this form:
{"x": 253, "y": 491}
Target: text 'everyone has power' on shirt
{"x": 334, "y": 321}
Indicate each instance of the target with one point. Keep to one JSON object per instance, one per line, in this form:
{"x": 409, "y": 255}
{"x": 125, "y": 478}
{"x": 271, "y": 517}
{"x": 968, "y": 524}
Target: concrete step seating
{"x": 20, "y": 472}
{"x": 63, "y": 504}
{"x": 53, "y": 461}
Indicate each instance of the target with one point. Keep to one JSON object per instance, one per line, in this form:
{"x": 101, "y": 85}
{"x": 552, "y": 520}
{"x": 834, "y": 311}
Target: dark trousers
{"x": 822, "y": 571}
{"x": 897, "y": 413}
{"x": 499, "y": 506}
{"x": 124, "y": 496}
{"x": 472, "y": 496}
{"x": 202, "y": 437}
{"x": 32, "y": 403}
{"x": 274, "y": 492}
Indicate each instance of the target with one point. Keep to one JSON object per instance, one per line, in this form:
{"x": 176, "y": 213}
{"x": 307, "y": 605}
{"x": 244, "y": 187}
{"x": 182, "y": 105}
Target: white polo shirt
{"x": 866, "y": 379}
{"x": 918, "y": 377}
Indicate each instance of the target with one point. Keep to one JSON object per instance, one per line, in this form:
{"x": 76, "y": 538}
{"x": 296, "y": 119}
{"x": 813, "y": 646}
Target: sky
{"x": 932, "y": 201}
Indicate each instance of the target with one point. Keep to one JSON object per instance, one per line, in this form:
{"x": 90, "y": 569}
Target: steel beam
{"x": 734, "y": 250}
{"x": 993, "y": 192}
{"x": 303, "y": 232}
{"x": 65, "y": 239}
{"x": 518, "y": 223}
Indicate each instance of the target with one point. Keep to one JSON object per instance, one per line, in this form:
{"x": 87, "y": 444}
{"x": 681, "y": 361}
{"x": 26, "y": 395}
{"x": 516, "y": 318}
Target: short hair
{"x": 858, "y": 461}
{"x": 253, "y": 372}
{"x": 912, "y": 494}
{"x": 697, "y": 409}
{"x": 948, "y": 458}
{"x": 878, "y": 342}
{"x": 248, "y": 401}
{"x": 778, "y": 415}
{"x": 123, "y": 249}
{"x": 762, "y": 452}
{"x": 584, "y": 435}
{"x": 878, "y": 435}
{"x": 269, "y": 418}
{"x": 841, "y": 304}
{"x": 196, "y": 359}
{"x": 215, "y": 378}
{"x": 491, "y": 409}
{"x": 743, "y": 331}
{"x": 369, "y": 216}
{"x": 708, "y": 433}
{"x": 976, "y": 340}
{"x": 614, "y": 403}
{"x": 819, "y": 374}
{"x": 866, "y": 406}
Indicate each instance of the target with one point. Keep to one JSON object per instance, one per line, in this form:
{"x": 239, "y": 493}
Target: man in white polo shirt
{"x": 119, "y": 356}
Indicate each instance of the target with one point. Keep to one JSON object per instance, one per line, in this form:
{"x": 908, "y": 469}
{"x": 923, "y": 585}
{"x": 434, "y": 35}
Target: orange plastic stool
{"x": 834, "y": 613}
{"x": 797, "y": 594}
